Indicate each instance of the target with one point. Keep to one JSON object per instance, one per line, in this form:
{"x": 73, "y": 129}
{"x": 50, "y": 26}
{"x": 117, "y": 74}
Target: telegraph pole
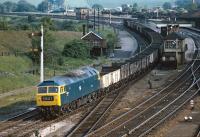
{"x": 88, "y": 17}
{"x": 98, "y": 21}
{"x": 94, "y": 18}
{"x": 110, "y": 18}
{"x": 42, "y": 55}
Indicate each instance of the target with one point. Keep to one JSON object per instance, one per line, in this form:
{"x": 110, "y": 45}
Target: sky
{"x": 105, "y": 3}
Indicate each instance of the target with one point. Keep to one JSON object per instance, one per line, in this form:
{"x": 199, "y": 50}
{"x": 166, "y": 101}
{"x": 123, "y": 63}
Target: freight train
{"x": 68, "y": 92}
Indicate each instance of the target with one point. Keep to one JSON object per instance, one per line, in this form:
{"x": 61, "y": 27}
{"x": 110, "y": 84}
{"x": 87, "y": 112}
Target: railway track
{"x": 119, "y": 126}
{"x": 26, "y": 130}
{"x": 24, "y": 125}
{"x": 98, "y": 113}
{"x": 197, "y": 134}
{"x": 142, "y": 119}
{"x": 87, "y": 125}
{"x": 12, "y": 126}
{"x": 163, "y": 114}
{"x": 170, "y": 99}
{"x": 96, "y": 118}
{"x": 94, "y": 121}
{"x": 7, "y": 126}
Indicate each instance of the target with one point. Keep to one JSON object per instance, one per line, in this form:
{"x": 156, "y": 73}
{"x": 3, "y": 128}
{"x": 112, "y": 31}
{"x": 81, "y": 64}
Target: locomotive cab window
{"x": 53, "y": 90}
{"x": 62, "y": 89}
{"x": 42, "y": 90}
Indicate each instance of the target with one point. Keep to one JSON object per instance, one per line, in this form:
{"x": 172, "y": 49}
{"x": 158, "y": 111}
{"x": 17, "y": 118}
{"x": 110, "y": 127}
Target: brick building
{"x": 82, "y": 13}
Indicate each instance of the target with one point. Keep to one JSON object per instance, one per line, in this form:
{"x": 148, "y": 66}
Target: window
{"x": 170, "y": 45}
{"x": 53, "y": 90}
{"x": 42, "y": 90}
{"x": 62, "y": 89}
{"x": 167, "y": 44}
{"x": 173, "y": 45}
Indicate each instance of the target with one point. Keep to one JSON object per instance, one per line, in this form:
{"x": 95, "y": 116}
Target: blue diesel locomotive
{"x": 61, "y": 93}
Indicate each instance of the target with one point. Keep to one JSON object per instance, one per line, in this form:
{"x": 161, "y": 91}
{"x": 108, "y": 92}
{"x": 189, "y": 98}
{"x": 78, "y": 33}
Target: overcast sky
{"x": 105, "y": 3}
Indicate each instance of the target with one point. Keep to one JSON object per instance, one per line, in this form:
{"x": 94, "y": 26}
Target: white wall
{"x": 191, "y": 48}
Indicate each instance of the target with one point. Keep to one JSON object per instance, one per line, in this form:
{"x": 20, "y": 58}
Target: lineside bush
{"x": 76, "y": 49}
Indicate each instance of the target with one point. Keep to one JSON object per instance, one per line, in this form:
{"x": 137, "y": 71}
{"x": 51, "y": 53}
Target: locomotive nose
{"x": 48, "y": 100}
{"x": 48, "y": 96}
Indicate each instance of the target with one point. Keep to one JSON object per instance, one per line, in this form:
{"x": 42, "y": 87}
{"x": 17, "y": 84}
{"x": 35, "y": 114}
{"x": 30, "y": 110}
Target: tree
{"x": 51, "y": 52}
{"x": 76, "y": 49}
{"x": 125, "y": 8}
{"x": 35, "y": 54}
{"x": 48, "y": 23}
{"x": 193, "y": 6}
{"x": 97, "y": 6}
{"x": 4, "y": 23}
{"x": 24, "y": 6}
{"x": 111, "y": 41}
{"x": 69, "y": 25}
{"x": 2, "y": 8}
{"x": 10, "y": 6}
{"x": 135, "y": 7}
{"x": 31, "y": 18}
{"x": 186, "y": 4}
{"x": 43, "y": 6}
{"x": 167, "y": 5}
{"x": 182, "y": 3}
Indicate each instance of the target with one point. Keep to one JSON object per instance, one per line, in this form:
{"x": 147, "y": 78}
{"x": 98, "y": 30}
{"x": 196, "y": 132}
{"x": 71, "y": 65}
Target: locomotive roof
{"x": 70, "y": 77}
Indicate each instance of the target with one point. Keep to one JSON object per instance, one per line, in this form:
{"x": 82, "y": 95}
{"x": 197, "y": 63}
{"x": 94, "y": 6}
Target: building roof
{"x": 194, "y": 14}
{"x": 71, "y": 77}
{"x": 92, "y": 36}
{"x": 174, "y": 36}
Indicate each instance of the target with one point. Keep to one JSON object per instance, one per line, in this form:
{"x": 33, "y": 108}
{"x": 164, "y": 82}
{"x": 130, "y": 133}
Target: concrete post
{"x": 42, "y": 55}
